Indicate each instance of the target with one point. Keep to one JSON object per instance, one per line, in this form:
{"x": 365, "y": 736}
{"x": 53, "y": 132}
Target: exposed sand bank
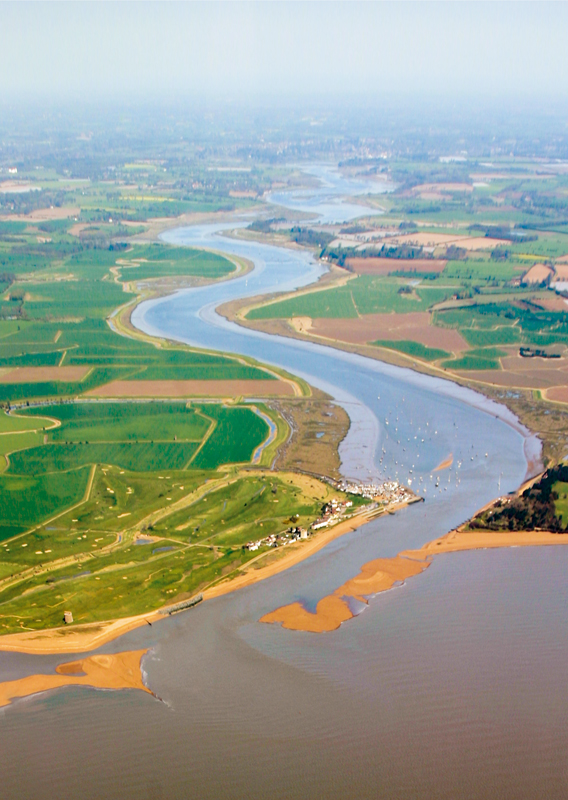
{"x": 118, "y": 671}
{"x": 446, "y": 463}
{"x": 384, "y": 573}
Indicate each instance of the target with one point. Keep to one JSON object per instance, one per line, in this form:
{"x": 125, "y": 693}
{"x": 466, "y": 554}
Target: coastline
{"x": 84, "y": 638}
{"x": 375, "y": 577}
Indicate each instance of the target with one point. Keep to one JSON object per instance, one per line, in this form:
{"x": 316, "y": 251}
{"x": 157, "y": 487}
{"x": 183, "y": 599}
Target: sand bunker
{"x": 384, "y": 573}
{"x": 414, "y": 326}
{"x": 118, "y": 671}
{"x": 383, "y": 266}
{"x": 246, "y": 388}
{"x": 42, "y": 374}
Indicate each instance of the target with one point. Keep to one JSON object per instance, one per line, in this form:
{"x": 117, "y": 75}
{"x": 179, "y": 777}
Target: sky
{"x": 97, "y": 50}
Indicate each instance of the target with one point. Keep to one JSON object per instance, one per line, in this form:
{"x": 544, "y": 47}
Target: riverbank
{"x": 526, "y": 405}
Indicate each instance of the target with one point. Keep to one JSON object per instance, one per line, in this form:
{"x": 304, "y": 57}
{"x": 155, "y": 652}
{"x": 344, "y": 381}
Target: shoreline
{"x": 84, "y": 638}
{"x": 375, "y": 577}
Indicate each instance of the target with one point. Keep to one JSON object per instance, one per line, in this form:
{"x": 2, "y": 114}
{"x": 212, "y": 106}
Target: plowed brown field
{"x": 41, "y": 374}
{"x": 414, "y": 326}
{"x": 540, "y": 376}
{"x": 382, "y": 266}
{"x": 558, "y": 393}
{"x": 194, "y": 389}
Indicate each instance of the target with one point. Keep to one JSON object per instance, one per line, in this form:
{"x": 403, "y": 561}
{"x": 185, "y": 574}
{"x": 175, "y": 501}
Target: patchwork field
{"x": 141, "y": 437}
{"x": 363, "y": 295}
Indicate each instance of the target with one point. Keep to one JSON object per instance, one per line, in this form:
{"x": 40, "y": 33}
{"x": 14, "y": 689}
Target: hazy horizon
{"x": 134, "y": 51}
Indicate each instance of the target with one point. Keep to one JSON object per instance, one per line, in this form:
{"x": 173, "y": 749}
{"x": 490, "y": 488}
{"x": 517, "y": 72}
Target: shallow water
{"x": 450, "y": 686}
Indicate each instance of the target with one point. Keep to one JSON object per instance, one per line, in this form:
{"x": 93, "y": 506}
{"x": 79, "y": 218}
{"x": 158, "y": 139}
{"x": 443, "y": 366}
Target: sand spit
{"x": 118, "y": 671}
{"x": 446, "y": 463}
{"x": 375, "y": 576}
{"x": 384, "y": 573}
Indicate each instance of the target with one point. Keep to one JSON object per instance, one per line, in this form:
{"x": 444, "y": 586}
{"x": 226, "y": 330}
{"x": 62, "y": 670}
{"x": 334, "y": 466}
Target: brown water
{"x": 452, "y": 686}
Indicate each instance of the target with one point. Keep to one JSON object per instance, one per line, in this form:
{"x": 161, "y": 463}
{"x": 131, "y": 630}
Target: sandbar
{"x": 446, "y": 463}
{"x": 385, "y": 573}
{"x": 115, "y": 671}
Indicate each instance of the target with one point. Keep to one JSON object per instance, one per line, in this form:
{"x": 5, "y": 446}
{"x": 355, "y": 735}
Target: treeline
{"x": 534, "y": 509}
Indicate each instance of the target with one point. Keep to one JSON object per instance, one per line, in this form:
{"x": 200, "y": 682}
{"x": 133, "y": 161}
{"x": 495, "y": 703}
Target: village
{"x": 382, "y": 494}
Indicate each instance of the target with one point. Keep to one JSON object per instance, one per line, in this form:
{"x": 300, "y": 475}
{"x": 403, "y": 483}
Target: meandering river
{"x": 453, "y": 685}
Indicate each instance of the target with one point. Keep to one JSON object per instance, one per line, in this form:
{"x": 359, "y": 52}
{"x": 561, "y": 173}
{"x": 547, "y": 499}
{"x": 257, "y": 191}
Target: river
{"x": 449, "y": 686}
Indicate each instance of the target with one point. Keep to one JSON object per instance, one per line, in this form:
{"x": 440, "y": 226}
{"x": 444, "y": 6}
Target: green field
{"x": 139, "y": 437}
{"x": 157, "y": 261}
{"x": 560, "y": 490}
{"x": 505, "y": 323}
{"x": 363, "y": 295}
{"x": 411, "y": 348}
{"x": 80, "y": 561}
{"x": 27, "y": 500}
{"x": 480, "y": 358}
{"x": 62, "y": 308}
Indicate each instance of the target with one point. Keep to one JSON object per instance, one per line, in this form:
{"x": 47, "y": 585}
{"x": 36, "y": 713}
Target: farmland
{"x": 82, "y": 478}
{"x": 131, "y": 469}
{"x": 140, "y": 437}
